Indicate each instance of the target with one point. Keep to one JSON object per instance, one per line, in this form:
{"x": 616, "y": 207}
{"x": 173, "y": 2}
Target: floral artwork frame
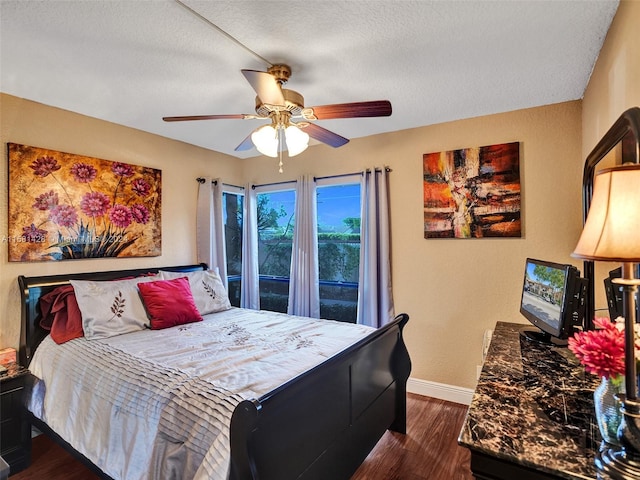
{"x": 472, "y": 192}
{"x": 64, "y": 206}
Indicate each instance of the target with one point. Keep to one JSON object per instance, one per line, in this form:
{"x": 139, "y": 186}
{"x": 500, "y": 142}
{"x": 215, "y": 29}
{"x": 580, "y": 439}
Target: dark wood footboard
{"x": 324, "y": 423}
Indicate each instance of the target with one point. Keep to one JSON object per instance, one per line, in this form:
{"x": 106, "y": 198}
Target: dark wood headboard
{"x": 32, "y": 288}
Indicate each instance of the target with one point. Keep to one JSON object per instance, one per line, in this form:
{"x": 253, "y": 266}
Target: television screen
{"x": 552, "y": 299}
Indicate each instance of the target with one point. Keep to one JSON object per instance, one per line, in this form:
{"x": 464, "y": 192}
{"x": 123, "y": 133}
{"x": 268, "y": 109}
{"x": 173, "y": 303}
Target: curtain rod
{"x": 386, "y": 169}
{"x": 253, "y": 187}
{"x": 215, "y": 182}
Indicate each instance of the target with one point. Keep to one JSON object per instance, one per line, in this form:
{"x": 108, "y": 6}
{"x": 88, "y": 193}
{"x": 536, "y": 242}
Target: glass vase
{"x": 607, "y": 408}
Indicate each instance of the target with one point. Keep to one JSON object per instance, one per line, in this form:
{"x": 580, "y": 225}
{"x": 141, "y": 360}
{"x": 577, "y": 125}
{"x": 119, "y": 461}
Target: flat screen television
{"x": 552, "y": 300}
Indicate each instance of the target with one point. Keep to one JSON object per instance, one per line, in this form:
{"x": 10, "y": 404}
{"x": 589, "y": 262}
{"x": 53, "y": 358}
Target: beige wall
{"x": 613, "y": 88}
{"x": 452, "y": 289}
{"x": 615, "y": 82}
{"x": 30, "y": 123}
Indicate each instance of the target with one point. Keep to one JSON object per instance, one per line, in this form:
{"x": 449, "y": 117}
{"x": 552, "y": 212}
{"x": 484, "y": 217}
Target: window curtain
{"x": 210, "y": 245}
{"x": 375, "y": 299}
{"x": 250, "y": 287}
{"x": 304, "y": 294}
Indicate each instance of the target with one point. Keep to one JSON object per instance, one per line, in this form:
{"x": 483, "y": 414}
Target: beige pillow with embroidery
{"x": 111, "y": 308}
{"x": 207, "y": 289}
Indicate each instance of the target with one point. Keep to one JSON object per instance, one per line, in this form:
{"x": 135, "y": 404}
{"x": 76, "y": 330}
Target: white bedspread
{"x": 158, "y": 404}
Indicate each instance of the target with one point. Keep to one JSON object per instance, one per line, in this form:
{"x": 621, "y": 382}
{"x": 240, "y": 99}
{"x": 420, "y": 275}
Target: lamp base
{"x": 623, "y": 462}
{"x": 615, "y": 464}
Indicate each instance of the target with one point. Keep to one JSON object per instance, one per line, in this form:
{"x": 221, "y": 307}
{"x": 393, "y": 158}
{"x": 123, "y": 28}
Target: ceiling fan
{"x": 282, "y": 106}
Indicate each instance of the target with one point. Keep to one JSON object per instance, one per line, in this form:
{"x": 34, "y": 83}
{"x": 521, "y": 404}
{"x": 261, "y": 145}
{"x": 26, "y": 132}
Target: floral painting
{"x": 472, "y": 192}
{"x": 64, "y": 206}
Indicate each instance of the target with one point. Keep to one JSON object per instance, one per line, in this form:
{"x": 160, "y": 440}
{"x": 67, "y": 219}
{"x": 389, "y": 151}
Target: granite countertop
{"x": 533, "y": 406}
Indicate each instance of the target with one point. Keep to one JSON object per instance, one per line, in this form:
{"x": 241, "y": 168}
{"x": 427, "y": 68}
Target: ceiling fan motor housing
{"x": 293, "y": 103}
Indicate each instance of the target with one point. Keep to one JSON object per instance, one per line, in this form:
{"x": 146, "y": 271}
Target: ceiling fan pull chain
{"x": 280, "y": 170}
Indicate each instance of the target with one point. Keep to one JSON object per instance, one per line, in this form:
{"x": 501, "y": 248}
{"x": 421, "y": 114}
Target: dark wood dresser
{"x": 15, "y": 429}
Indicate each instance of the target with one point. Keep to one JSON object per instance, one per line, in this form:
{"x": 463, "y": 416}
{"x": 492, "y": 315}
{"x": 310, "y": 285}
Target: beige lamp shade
{"x": 612, "y": 229}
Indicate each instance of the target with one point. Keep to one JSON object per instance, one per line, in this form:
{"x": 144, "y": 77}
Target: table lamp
{"x": 612, "y": 233}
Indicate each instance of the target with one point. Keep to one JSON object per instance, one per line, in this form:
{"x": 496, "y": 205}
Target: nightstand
{"x": 15, "y": 430}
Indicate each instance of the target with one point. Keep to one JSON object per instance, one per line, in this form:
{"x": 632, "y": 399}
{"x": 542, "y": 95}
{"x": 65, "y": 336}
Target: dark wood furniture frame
{"x": 625, "y": 132}
{"x": 15, "y": 432}
{"x": 320, "y": 425}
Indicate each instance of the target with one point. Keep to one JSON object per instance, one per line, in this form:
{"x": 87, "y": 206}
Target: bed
{"x": 321, "y": 423}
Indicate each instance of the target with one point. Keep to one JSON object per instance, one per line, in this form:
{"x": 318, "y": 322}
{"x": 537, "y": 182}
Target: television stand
{"x": 532, "y": 414}
{"x": 534, "y": 334}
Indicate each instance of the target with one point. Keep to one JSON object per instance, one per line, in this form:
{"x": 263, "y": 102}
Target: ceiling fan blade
{"x": 239, "y": 116}
{"x": 266, "y": 86}
{"x": 323, "y": 135}
{"x": 376, "y": 108}
{"x": 246, "y": 144}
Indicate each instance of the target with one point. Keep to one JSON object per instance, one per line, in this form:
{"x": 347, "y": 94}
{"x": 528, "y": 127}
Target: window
{"x": 275, "y": 219}
{"x": 338, "y": 223}
{"x": 232, "y": 203}
{"x": 338, "y": 209}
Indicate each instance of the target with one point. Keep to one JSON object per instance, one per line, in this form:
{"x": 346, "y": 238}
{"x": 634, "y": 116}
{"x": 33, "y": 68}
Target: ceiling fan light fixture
{"x": 297, "y": 140}
{"x": 266, "y": 140}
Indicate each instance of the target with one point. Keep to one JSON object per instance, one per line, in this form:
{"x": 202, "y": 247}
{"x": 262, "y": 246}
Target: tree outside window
{"x": 275, "y": 219}
{"x": 232, "y": 216}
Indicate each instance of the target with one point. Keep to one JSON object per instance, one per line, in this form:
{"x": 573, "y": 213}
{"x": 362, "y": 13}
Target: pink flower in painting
{"x": 601, "y": 351}
{"x": 141, "y": 187}
{"x": 33, "y": 234}
{"x": 44, "y": 166}
{"x": 83, "y": 173}
{"x": 120, "y": 216}
{"x": 94, "y": 204}
{"x": 122, "y": 169}
{"x": 140, "y": 213}
{"x": 64, "y": 215}
{"x": 46, "y": 201}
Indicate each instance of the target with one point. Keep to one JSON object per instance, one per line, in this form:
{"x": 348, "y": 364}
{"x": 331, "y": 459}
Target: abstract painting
{"x": 64, "y": 206}
{"x": 472, "y": 192}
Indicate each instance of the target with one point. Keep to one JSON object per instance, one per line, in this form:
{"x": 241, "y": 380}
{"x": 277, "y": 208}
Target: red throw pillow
{"x": 61, "y": 314}
{"x": 169, "y": 302}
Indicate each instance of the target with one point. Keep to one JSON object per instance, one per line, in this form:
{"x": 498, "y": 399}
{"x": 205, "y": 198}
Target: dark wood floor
{"x": 429, "y": 450}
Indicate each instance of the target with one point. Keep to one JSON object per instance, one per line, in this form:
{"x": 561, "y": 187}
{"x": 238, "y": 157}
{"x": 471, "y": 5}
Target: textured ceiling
{"x": 134, "y": 61}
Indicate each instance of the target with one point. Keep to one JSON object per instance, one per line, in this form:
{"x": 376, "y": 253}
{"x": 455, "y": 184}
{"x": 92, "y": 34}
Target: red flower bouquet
{"x": 601, "y": 351}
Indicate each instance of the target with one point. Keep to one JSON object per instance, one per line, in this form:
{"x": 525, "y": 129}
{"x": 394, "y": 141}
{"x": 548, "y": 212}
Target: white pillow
{"x": 207, "y": 289}
{"x": 111, "y": 308}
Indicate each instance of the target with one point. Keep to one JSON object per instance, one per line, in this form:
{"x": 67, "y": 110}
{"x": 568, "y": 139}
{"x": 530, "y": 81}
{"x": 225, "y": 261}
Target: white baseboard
{"x": 450, "y": 393}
